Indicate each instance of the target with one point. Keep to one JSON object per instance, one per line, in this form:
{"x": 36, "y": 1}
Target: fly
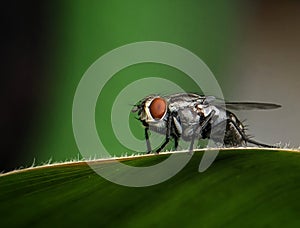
{"x": 191, "y": 117}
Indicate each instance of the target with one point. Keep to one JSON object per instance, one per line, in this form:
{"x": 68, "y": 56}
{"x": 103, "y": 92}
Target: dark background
{"x": 27, "y": 40}
{"x": 251, "y": 46}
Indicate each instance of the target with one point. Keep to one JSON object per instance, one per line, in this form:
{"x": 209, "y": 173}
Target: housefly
{"x": 191, "y": 117}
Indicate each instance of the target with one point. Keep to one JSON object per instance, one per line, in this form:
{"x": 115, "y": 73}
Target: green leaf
{"x": 243, "y": 187}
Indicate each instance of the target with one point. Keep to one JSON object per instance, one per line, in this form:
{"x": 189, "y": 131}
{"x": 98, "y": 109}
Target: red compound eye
{"x": 158, "y": 108}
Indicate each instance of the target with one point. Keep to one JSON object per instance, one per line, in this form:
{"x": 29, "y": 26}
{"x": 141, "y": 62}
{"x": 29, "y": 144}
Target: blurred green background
{"x": 55, "y": 42}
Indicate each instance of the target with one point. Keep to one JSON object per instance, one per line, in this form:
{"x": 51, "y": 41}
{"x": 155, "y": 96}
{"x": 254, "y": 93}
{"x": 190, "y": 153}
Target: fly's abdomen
{"x": 234, "y": 131}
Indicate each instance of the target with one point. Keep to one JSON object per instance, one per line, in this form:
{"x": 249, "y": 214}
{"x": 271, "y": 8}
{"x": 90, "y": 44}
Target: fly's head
{"x": 151, "y": 109}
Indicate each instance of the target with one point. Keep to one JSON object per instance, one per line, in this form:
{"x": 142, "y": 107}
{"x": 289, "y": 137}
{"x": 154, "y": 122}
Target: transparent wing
{"x": 244, "y": 105}
{"x": 211, "y": 100}
{"x": 250, "y": 105}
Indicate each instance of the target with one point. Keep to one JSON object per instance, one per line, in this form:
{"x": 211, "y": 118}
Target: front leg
{"x": 164, "y": 144}
{"x": 168, "y": 133}
{"x": 147, "y": 140}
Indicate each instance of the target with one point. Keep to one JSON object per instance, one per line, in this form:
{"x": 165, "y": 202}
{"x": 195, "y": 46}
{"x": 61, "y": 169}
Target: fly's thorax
{"x": 205, "y": 110}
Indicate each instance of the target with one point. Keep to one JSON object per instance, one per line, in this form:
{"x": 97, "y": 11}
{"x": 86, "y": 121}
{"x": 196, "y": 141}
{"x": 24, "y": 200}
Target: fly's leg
{"x": 176, "y": 142}
{"x": 259, "y": 143}
{"x": 176, "y": 129}
{"x": 192, "y": 141}
{"x": 147, "y": 140}
{"x": 164, "y": 144}
{"x": 201, "y": 126}
{"x": 246, "y": 139}
{"x": 206, "y": 121}
{"x": 168, "y": 133}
